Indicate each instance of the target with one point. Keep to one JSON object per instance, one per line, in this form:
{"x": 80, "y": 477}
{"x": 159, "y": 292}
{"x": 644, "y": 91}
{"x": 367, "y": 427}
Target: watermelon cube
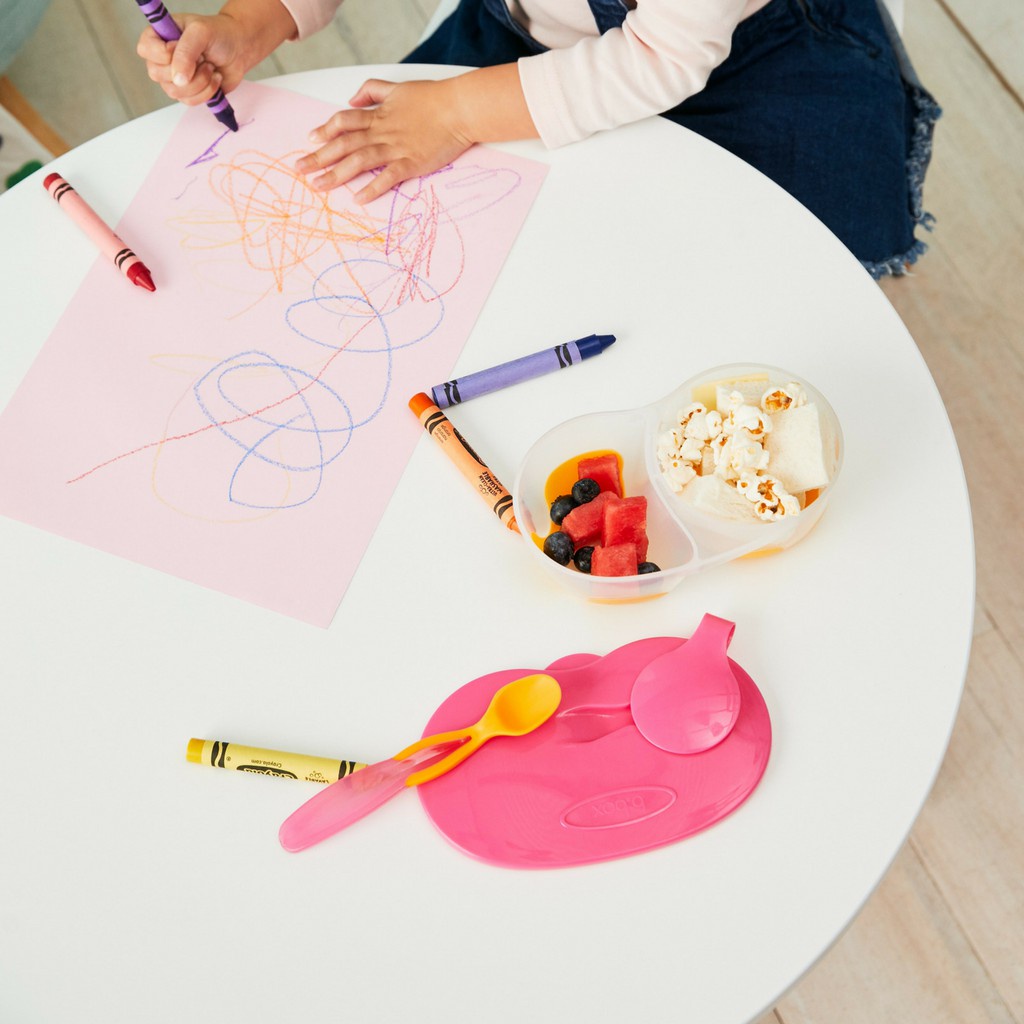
{"x": 625, "y": 522}
{"x": 585, "y": 523}
{"x": 604, "y": 470}
{"x": 616, "y": 560}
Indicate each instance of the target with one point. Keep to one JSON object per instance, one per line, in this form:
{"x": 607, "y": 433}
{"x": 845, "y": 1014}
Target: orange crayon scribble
{"x": 280, "y": 226}
{"x": 274, "y": 217}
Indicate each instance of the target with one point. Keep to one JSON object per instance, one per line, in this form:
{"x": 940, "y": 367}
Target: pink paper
{"x": 245, "y": 426}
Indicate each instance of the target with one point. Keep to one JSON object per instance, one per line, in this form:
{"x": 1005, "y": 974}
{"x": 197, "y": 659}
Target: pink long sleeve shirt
{"x": 586, "y": 82}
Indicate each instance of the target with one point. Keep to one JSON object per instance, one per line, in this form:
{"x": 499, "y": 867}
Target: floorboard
{"x": 996, "y": 29}
{"x": 62, "y": 73}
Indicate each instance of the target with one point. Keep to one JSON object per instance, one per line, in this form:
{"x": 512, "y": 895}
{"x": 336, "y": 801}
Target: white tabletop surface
{"x": 135, "y": 886}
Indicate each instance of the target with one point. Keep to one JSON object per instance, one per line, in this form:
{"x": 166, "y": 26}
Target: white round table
{"x": 137, "y": 887}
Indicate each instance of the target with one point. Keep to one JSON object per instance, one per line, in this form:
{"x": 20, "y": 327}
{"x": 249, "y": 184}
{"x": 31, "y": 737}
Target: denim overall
{"x": 818, "y": 95}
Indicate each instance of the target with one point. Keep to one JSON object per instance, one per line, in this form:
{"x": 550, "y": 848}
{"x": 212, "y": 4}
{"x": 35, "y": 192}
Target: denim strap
{"x": 498, "y": 9}
{"x": 608, "y": 13}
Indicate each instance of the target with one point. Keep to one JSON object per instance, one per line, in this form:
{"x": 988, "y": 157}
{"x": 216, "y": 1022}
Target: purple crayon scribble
{"x": 210, "y": 153}
{"x": 184, "y": 190}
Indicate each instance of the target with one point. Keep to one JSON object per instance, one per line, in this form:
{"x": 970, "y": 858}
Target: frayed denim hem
{"x": 895, "y": 266}
{"x": 926, "y": 113}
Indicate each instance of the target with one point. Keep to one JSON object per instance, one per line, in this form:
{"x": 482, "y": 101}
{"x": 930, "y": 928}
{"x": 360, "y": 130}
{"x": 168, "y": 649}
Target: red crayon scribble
{"x": 267, "y": 214}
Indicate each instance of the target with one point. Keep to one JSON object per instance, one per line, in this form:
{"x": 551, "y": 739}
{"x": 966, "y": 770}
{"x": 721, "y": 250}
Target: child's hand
{"x": 205, "y": 58}
{"x": 404, "y": 129}
{"x": 215, "y": 52}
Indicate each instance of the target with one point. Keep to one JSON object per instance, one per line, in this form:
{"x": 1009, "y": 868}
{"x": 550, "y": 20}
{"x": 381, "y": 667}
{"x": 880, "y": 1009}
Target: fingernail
{"x": 181, "y": 78}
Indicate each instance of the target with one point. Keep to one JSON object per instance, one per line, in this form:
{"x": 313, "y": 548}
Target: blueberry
{"x": 558, "y": 546}
{"x": 582, "y": 558}
{"x": 561, "y": 507}
{"x": 645, "y": 567}
{"x": 585, "y": 490}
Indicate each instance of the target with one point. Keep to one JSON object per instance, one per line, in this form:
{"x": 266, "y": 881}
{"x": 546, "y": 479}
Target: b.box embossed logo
{"x": 619, "y": 807}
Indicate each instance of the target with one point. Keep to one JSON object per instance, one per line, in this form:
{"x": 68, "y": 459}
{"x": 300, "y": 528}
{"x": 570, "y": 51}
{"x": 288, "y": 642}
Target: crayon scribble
{"x": 359, "y": 285}
{"x": 210, "y": 153}
{"x": 184, "y": 190}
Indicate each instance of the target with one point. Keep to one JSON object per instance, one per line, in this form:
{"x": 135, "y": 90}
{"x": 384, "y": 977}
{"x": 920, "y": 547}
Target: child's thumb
{"x": 188, "y": 53}
{"x": 371, "y": 92}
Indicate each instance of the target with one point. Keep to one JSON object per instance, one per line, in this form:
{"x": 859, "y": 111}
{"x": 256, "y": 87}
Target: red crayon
{"x": 103, "y": 238}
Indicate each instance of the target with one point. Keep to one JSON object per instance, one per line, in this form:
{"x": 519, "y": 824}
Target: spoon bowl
{"x": 520, "y": 706}
{"x": 516, "y": 709}
{"x": 687, "y": 700}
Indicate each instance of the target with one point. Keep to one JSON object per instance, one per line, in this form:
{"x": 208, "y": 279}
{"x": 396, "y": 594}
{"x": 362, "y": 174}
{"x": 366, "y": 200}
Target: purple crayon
{"x": 462, "y": 389}
{"x": 167, "y": 29}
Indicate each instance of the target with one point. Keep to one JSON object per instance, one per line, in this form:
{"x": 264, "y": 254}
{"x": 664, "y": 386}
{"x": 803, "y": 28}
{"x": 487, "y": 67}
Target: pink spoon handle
{"x": 711, "y": 639}
{"x": 346, "y": 801}
{"x": 585, "y": 723}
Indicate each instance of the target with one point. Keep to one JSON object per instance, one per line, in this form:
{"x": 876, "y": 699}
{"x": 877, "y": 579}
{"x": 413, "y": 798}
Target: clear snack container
{"x": 683, "y": 539}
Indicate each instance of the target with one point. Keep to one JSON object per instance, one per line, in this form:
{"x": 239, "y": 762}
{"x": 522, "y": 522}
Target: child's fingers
{"x": 338, "y": 124}
{"x": 206, "y": 81}
{"x": 188, "y": 53}
{"x": 330, "y": 154}
{"x": 365, "y": 158}
{"x": 372, "y": 92}
{"x": 152, "y": 49}
{"x": 201, "y": 86}
{"x": 383, "y": 181}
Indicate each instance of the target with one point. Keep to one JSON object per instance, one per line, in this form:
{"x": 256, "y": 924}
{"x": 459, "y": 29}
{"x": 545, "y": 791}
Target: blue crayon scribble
{"x": 185, "y": 189}
{"x": 289, "y": 418}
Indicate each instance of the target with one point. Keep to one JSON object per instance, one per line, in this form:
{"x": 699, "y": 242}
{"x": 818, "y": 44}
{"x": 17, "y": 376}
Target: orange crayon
{"x": 472, "y": 467}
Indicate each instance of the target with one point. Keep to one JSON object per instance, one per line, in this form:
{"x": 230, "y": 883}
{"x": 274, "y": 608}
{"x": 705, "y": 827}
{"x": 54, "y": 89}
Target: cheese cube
{"x": 798, "y": 449}
{"x": 714, "y": 496}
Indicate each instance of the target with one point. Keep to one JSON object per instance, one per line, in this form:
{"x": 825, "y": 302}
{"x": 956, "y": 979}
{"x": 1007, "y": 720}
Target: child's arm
{"x": 215, "y": 52}
{"x": 413, "y": 128}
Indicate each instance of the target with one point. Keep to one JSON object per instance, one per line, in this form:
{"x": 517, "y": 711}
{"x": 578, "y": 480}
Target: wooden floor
{"x": 942, "y": 940}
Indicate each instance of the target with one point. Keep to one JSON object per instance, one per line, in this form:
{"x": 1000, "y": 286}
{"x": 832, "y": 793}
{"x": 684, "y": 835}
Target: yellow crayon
{"x": 222, "y": 754}
{"x": 472, "y": 467}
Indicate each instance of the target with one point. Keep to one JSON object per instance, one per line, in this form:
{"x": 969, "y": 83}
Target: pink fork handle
{"x": 346, "y": 801}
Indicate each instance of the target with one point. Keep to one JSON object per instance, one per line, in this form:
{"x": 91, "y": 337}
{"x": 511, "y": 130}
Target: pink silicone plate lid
{"x": 554, "y": 799}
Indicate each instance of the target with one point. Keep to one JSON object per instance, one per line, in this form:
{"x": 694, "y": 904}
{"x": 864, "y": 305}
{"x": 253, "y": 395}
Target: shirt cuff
{"x": 546, "y": 100}
{"x": 310, "y": 15}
